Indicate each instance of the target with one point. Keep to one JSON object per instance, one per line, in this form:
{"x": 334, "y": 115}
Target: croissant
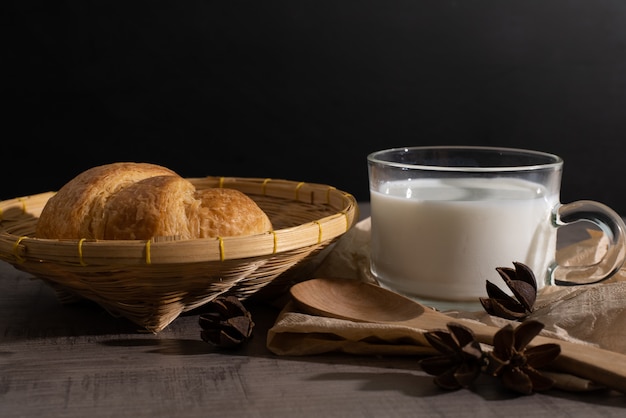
{"x": 127, "y": 200}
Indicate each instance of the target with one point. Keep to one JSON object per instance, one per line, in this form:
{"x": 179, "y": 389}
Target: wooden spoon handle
{"x": 596, "y": 364}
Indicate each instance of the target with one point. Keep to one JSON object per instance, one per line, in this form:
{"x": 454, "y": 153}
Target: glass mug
{"x": 444, "y": 217}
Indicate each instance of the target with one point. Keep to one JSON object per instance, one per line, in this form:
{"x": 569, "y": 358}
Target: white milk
{"x": 442, "y": 239}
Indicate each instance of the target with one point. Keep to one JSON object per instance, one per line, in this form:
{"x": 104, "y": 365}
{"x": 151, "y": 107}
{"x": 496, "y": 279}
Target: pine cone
{"x": 228, "y": 323}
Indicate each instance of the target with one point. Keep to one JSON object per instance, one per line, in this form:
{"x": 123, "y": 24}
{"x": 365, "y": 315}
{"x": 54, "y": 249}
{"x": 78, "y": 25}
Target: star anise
{"x": 516, "y": 364}
{"x": 227, "y": 324}
{"x": 522, "y": 283}
{"x": 461, "y": 359}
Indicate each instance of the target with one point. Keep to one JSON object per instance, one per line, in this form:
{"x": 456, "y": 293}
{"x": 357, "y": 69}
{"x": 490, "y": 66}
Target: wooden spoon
{"x": 365, "y": 302}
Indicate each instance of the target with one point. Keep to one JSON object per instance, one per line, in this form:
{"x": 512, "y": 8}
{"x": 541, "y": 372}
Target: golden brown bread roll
{"x": 227, "y": 213}
{"x": 142, "y": 201}
{"x": 151, "y": 207}
{"x": 171, "y": 206}
{"x": 77, "y": 210}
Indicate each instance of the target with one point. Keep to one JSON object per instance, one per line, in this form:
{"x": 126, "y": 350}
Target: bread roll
{"x": 227, "y": 213}
{"x": 77, "y": 209}
{"x": 171, "y": 206}
{"x": 150, "y": 207}
{"x": 142, "y": 201}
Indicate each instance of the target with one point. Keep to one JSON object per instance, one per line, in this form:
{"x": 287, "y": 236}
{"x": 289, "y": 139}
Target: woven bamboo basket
{"x": 153, "y": 282}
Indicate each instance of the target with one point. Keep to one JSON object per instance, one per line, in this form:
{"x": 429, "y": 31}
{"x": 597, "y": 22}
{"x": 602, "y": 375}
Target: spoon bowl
{"x": 324, "y": 296}
{"x": 366, "y": 302}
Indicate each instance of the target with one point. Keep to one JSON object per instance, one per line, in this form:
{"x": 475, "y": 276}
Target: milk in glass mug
{"x": 444, "y": 217}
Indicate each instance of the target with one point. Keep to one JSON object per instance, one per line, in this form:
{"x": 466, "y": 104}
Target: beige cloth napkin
{"x": 591, "y": 314}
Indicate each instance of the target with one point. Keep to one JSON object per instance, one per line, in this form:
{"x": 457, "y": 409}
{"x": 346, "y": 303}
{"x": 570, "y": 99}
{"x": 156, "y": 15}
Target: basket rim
{"x": 17, "y": 249}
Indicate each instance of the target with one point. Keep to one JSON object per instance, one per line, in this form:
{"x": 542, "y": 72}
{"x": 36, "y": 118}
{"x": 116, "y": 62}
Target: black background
{"x": 304, "y": 90}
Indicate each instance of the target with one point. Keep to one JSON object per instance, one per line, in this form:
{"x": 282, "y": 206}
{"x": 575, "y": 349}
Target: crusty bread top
{"x": 150, "y": 207}
{"x": 171, "y": 206}
{"x": 227, "y": 213}
{"x": 142, "y": 201}
{"x": 77, "y": 209}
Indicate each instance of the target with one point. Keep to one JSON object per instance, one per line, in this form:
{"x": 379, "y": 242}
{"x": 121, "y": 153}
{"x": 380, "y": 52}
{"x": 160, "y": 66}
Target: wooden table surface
{"x": 79, "y": 361}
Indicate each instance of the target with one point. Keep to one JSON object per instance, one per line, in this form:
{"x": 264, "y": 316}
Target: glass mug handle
{"x": 613, "y": 227}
